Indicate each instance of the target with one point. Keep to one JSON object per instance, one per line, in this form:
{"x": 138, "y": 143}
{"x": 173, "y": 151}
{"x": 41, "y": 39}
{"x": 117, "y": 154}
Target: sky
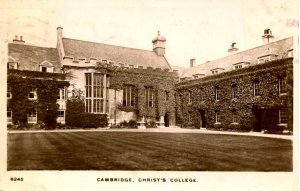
{"x": 196, "y": 29}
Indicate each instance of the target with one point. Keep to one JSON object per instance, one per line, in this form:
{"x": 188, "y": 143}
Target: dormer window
{"x": 214, "y": 71}
{"x": 262, "y": 60}
{"x": 196, "y": 76}
{"x": 268, "y": 55}
{"x": 12, "y": 65}
{"x": 131, "y": 66}
{"x": 290, "y": 53}
{"x": 46, "y": 67}
{"x": 238, "y": 66}
{"x": 217, "y": 71}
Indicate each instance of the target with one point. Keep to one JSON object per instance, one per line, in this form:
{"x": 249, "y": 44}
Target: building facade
{"x": 244, "y": 91}
{"x": 36, "y": 87}
{"x": 248, "y": 90}
{"x": 124, "y": 83}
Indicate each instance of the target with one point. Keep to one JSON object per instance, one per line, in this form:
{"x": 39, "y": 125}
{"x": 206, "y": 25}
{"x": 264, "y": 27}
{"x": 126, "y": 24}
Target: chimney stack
{"x": 267, "y": 37}
{"x": 233, "y": 49}
{"x": 192, "y": 62}
{"x": 17, "y": 41}
{"x": 59, "y": 32}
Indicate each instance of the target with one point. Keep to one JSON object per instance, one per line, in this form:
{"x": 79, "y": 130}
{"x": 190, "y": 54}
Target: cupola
{"x": 159, "y": 44}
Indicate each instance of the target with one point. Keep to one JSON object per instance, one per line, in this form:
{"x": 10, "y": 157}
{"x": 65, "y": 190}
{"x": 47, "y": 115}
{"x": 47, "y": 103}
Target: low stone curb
{"x": 160, "y": 130}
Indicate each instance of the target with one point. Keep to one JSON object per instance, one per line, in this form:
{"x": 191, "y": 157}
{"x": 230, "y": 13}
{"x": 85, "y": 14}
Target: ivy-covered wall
{"x": 160, "y": 80}
{"x": 245, "y": 104}
{"x": 47, "y": 86}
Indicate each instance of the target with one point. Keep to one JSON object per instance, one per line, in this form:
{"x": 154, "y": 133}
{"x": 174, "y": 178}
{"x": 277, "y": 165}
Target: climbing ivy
{"x": 266, "y": 74}
{"x": 47, "y": 91}
{"x": 160, "y": 80}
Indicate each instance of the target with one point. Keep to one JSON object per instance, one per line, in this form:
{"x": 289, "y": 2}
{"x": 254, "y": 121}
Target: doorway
{"x": 200, "y": 121}
{"x": 166, "y": 120}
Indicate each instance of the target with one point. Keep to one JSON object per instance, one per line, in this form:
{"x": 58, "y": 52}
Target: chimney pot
{"x": 267, "y": 37}
{"x": 233, "y": 49}
{"x": 21, "y": 38}
{"x": 192, "y": 62}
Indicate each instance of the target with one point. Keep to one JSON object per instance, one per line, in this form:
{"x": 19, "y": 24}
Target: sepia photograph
{"x": 152, "y": 95}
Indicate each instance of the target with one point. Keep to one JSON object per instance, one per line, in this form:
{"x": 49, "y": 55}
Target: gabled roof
{"x": 30, "y": 57}
{"x": 117, "y": 54}
{"x": 279, "y": 48}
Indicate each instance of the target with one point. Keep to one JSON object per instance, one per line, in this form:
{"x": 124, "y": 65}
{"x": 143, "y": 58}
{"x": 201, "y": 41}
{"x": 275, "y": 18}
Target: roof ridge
{"x": 11, "y": 43}
{"x": 241, "y": 52}
{"x": 108, "y": 44}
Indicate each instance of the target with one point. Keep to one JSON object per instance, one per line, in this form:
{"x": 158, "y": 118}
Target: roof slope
{"x": 279, "y": 48}
{"x": 130, "y": 56}
{"x": 30, "y": 57}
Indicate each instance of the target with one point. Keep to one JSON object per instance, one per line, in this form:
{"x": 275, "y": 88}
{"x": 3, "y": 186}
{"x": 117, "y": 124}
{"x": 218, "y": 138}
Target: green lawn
{"x": 147, "y": 151}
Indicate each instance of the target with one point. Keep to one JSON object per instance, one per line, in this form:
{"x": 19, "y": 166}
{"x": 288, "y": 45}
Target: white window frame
{"x": 33, "y": 91}
{"x": 61, "y": 94}
{"x": 8, "y": 94}
{"x": 234, "y": 117}
{"x": 167, "y": 95}
{"x": 234, "y": 92}
{"x": 283, "y": 117}
{"x": 256, "y": 88}
{"x": 149, "y": 95}
{"x": 189, "y": 116}
{"x": 217, "y": 94}
{"x": 129, "y": 90}
{"x": 32, "y": 116}
{"x": 189, "y": 97}
{"x": 96, "y": 93}
{"x": 61, "y": 118}
{"x": 9, "y": 118}
{"x": 282, "y": 85}
{"x": 217, "y": 117}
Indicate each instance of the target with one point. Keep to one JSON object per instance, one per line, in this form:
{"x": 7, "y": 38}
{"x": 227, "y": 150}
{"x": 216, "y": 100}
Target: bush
{"x": 150, "y": 124}
{"x": 233, "y": 127}
{"x": 123, "y": 124}
{"x": 114, "y": 126}
{"x": 75, "y": 113}
{"x": 131, "y": 124}
{"x": 91, "y": 120}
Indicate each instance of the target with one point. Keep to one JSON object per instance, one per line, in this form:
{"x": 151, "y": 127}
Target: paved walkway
{"x": 161, "y": 130}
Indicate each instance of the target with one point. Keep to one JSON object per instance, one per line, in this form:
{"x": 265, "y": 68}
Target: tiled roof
{"x": 279, "y": 48}
{"x": 117, "y": 54}
{"x": 30, "y": 57}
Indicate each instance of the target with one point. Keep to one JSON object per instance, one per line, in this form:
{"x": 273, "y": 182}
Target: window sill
{"x": 283, "y": 94}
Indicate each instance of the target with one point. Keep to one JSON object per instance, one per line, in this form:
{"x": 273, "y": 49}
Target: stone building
{"x": 124, "y": 83}
{"x": 246, "y": 90}
{"x": 36, "y": 87}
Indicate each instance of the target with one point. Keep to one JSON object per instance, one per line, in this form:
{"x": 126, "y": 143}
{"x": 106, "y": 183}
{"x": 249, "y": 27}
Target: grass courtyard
{"x": 146, "y": 151}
